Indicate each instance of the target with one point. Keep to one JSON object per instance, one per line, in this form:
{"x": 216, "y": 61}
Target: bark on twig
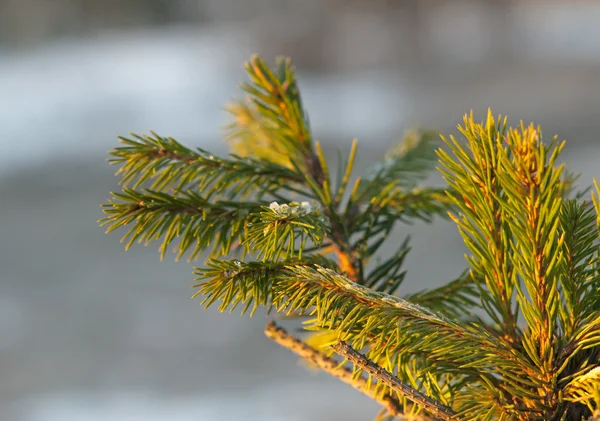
{"x": 434, "y": 407}
{"x": 329, "y": 365}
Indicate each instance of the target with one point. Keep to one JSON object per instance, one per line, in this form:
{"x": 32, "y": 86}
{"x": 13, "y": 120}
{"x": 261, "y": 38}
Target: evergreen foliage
{"x": 515, "y": 337}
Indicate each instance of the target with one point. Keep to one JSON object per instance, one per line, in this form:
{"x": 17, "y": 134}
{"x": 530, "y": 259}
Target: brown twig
{"x": 436, "y": 408}
{"x": 329, "y": 365}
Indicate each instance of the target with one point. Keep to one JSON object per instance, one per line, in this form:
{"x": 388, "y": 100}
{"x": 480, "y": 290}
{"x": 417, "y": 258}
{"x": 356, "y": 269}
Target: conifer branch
{"x": 475, "y": 178}
{"x": 275, "y": 110}
{"x": 534, "y": 253}
{"x": 359, "y": 314}
{"x": 533, "y": 187}
{"x": 186, "y": 217}
{"x": 274, "y": 235}
{"x": 249, "y": 136}
{"x": 585, "y": 388}
{"x": 351, "y": 311}
{"x": 436, "y": 408}
{"x": 580, "y": 265}
{"x": 169, "y": 164}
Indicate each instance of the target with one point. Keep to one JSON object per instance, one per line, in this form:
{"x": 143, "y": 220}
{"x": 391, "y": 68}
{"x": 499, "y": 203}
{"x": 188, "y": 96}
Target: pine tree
{"x": 515, "y": 337}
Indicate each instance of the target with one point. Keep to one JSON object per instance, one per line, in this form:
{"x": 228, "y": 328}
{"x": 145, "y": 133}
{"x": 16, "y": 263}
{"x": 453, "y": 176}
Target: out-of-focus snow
{"x": 74, "y": 97}
{"x": 277, "y": 402}
{"x": 561, "y": 31}
{"x": 142, "y": 406}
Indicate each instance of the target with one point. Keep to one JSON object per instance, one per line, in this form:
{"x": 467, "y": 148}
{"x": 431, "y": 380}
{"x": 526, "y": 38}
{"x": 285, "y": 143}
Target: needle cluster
{"x": 516, "y": 336}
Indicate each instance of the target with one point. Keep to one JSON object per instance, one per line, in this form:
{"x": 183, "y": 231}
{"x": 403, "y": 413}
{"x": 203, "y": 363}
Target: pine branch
{"x": 432, "y": 406}
{"x": 389, "y": 195}
{"x": 358, "y": 314}
{"x": 274, "y": 125}
{"x": 250, "y": 136}
{"x": 534, "y": 254}
{"x": 168, "y": 164}
{"x": 274, "y": 119}
{"x": 275, "y": 113}
{"x": 533, "y": 186}
{"x": 474, "y": 175}
{"x": 187, "y": 218}
{"x": 526, "y": 237}
{"x": 580, "y": 285}
{"x": 585, "y": 389}
{"x": 274, "y": 235}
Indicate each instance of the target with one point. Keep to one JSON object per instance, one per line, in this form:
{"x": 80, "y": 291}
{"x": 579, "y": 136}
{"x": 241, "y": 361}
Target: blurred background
{"x": 89, "y": 332}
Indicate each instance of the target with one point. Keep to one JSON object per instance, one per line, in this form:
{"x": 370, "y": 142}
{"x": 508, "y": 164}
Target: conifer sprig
{"x": 365, "y": 317}
{"x": 537, "y": 253}
{"x": 279, "y": 226}
{"x": 187, "y": 217}
{"x": 580, "y": 265}
{"x": 170, "y": 165}
{"x": 534, "y": 253}
{"x": 272, "y": 123}
{"x": 475, "y": 177}
{"x": 358, "y": 313}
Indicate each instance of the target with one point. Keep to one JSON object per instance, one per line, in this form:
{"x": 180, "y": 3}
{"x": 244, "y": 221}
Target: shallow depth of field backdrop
{"x": 89, "y": 332}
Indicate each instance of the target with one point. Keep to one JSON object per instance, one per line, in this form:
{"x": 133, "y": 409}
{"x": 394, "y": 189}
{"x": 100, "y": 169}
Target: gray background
{"x": 89, "y": 332}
